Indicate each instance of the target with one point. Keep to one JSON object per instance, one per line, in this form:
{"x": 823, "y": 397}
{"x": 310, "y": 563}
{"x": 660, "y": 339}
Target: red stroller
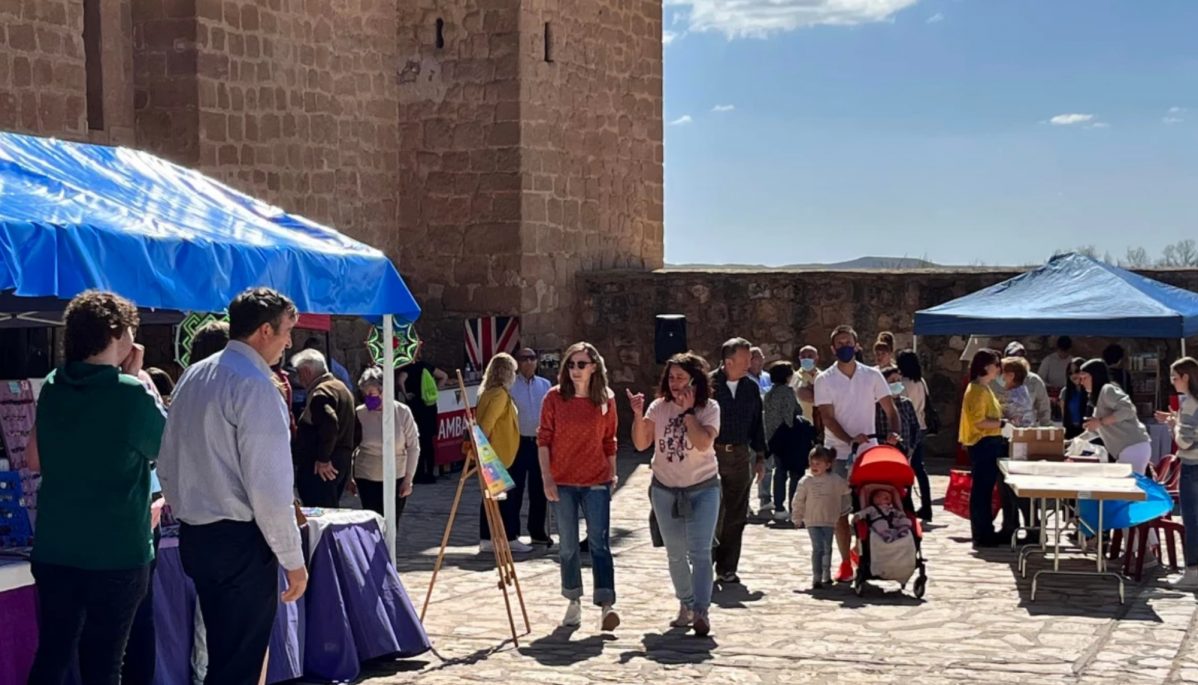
{"x": 886, "y": 468}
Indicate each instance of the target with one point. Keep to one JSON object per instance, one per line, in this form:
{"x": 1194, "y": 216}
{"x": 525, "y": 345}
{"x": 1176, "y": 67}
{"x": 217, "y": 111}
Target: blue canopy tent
{"x": 75, "y": 217}
{"x": 1070, "y": 295}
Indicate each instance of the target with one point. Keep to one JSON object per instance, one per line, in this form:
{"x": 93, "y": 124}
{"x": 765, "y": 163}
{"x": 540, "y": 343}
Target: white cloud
{"x": 684, "y": 119}
{"x": 1070, "y": 119}
{"x": 723, "y": 108}
{"x": 760, "y": 18}
{"x": 936, "y": 18}
{"x": 1099, "y": 124}
{"x": 1174, "y": 115}
{"x": 668, "y": 37}
{"x": 1172, "y": 120}
{"x": 1176, "y": 110}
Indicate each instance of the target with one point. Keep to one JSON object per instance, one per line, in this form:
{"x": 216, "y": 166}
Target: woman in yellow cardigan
{"x": 496, "y": 415}
{"x": 981, "y": 433}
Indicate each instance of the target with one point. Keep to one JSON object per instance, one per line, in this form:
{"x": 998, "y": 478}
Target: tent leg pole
{"x": 389, "y": 467}
{"x": 915, "y": 343}
{"x": 1183, "y": 347}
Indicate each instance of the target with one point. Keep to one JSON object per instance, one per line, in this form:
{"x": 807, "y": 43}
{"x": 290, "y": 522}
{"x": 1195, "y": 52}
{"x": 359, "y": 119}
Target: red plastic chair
{"x": 1167, "y": 472}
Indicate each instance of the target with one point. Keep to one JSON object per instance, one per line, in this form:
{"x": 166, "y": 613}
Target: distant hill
{"x": 859, "y": 264}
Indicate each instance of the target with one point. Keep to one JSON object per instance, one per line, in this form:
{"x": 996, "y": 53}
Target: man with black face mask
{"x": 846, "y": 394}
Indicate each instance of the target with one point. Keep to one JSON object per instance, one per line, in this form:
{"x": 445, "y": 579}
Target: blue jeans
{"x": 921, "y": 475}
{"x": 1189, "y": 511}
{"x": 821, "y": 551}
{"x": 765, "y": 487}
{"x": 688, "y": 544}
{"x": 784, "y": 495}
{"x": 594, "y": 503}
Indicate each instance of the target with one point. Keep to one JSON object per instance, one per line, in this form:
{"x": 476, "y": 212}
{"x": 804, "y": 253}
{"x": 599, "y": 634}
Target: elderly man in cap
{"x": 1041, "y": 405}
{"x": 527, "y": 393}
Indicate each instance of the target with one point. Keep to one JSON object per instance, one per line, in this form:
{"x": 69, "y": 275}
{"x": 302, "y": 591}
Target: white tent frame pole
{"x": 1183, "y": 347}
{"x": 915, "y": 343}
{"x": 389, "y": 469}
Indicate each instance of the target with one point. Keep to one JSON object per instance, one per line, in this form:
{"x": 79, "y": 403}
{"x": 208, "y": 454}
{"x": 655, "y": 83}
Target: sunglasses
{"x": 578, "y": 365}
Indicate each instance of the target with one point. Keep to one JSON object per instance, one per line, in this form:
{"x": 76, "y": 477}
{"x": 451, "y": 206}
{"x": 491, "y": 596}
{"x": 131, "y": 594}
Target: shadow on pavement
{"x": 673, "y": 647}
{"x": 734, "y": 596}
{"x": 557, "y": 649}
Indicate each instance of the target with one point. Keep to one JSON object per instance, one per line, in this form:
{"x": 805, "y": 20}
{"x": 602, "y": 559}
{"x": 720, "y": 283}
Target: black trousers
{"x": 528, "y": 466}
{"x": 86, "y": 611}
{"x": 371, "y": 494}
{"x": 426, "y": 423}
{"x": 315, "y": 491}
{"x": 141, "y": 652}
{"x": 236, "y": 576}
{"x": 509, "y": 509}
{"x": 736, "y": 479}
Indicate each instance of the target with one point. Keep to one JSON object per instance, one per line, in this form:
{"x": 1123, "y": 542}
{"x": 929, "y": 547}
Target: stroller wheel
{"x": 921, "y": 584}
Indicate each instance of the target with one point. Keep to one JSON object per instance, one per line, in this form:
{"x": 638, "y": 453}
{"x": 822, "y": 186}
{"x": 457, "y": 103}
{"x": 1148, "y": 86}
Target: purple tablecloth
{"x": 355, "y": 609}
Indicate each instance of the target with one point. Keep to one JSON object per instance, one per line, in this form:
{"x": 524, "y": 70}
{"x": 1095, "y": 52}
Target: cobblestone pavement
{"x": 975, "y": 624}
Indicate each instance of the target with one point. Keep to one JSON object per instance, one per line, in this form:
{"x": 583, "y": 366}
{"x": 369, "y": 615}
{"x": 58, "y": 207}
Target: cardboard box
{"x": 1038, "y": 444}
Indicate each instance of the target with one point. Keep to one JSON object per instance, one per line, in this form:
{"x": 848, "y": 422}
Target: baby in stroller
{"x": 883, "y": 518}
{"x": 887, "y": 531}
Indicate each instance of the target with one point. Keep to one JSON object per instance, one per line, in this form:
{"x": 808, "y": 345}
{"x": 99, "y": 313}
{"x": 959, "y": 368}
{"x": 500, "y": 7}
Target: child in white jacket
{"x": 817, "y": 505}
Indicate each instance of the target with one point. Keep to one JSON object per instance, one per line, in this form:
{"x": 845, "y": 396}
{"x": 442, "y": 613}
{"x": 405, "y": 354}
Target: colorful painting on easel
{"x": 494, "y": 474}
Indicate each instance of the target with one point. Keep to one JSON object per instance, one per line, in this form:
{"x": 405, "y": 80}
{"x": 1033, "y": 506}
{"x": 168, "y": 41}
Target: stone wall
{"x": 43, "y": 85}
{"x": 783, "y": 311}
{"x": 591, "y": 131}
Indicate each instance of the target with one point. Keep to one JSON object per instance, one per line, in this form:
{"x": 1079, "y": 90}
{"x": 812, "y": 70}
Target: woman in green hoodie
{"x": 98, "y": 429}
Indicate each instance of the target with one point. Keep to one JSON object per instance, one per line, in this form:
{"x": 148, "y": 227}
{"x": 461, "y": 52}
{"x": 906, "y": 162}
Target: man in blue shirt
{"x": 528, "y": 392}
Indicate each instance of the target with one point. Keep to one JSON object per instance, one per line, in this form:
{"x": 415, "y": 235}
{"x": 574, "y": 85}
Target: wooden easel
{"x": 504, "y": 564}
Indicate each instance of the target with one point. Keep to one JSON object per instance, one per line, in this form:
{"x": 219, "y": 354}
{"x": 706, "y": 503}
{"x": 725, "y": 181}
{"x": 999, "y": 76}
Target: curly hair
{"x": 93, "y": 320}
{"x": 597, "y": 393}
{"x": 501, "y": 372}
{"x": 697, "y": 368}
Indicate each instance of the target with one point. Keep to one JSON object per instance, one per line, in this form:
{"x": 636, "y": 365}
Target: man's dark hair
{"x": 840, "y": 330}
{"x": 733, "y": 346}
{"x": 93, "y": 320}
{"x": 257, "y": 306}
{"x": 908, "y": 365}
{"x": 211, "y": 338}
{"x": 312, "y": 343}
{"x": 1064, "y": 343}
{"x": 1113, "y": 354}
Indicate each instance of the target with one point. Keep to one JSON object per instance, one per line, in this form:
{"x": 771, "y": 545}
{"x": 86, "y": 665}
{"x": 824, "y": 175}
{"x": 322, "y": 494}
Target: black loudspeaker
{"x": 670, "y": 336}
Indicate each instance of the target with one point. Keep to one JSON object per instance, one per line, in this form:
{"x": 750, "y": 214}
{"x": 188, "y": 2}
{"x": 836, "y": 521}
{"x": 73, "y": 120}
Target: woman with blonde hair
{"x": 577, "y": 448}
{"x": 496, "y": 416}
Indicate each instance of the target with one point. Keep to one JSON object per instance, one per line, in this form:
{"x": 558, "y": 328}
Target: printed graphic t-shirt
{"x": 676, "y": 462}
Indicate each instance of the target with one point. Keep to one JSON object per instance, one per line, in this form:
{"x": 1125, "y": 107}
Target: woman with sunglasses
{"x": 577, "y": 450}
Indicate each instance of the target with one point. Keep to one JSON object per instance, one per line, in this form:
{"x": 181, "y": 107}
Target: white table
{"x": 1064, "y": 482}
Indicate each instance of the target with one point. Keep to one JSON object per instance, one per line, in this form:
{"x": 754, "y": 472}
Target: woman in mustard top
{"x": 496, "y": 415}
{"x": 981, "y": 433}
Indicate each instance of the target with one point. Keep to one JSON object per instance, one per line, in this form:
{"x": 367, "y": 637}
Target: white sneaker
{"x": 685, "y": 617}
{"x": 610, "y": 620}
{"x": 781, "y": 515}
{"x": 519, "y": 547}
{"x": 573, "y": 617}
{"x": 1188, "y": 581}
{"x": 485, "y": 547}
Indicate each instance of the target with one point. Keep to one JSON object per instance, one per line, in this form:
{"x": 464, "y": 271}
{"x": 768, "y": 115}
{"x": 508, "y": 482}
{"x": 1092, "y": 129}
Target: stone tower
{"x": 530, "y": 142}
{"x": 493, "y": 148}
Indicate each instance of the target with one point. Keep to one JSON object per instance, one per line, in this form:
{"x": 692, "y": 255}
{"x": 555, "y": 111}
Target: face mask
{"x": 373, "y": 402}
{"x": 807, "y": 364}
{"x": 846, "y": 353}
{"x": 896, "y": 388}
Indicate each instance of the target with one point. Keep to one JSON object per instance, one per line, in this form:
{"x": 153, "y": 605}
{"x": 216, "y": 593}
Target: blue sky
{"x": 964, "y": 131}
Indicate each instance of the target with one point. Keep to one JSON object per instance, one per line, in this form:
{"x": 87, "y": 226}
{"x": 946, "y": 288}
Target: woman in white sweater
{"x": 368, "y": 459}
{"x": 1184, "y": 424}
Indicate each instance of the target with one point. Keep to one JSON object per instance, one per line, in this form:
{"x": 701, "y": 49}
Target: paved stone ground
{"x": 975, "y": 624}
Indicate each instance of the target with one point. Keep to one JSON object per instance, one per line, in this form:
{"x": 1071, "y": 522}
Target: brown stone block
{"x": 214, "y": 126}
{"x": 504, "y": 134}
{"x": 212, "y": 65}
{"x": 52, "y": 12}
{"x": 22, "y": 72}
{"x": 9, "y": 108}
{"x": 494, "y": 238}
{"x": 232, "y": 14}
{"x": 51, "y": 110}
{"x": 10, "y": 8}
{"x": 228, "y": 155}
{"x": 22, "y": 37}
{"x": 182, "y": 63}
{"x": 249, "y": 17}
{"x": 29, "y": 110}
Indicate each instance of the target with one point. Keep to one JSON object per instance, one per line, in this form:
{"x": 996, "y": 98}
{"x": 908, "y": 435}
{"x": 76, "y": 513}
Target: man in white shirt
{"x": 528, "y": 392}
{"x": 846, "y": 394}
{"x": 226, "y": 470}
{"x": 1055, "y": 367}
{"x": 1041, "y": 404}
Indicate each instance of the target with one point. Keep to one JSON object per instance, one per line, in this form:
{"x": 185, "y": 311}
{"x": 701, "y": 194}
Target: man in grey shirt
{"x": 225, "y": 468}
{"x": 1041, "y": 404}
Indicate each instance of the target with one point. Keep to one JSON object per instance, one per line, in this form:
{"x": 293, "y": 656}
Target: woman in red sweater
{"x": 577, "y": 441}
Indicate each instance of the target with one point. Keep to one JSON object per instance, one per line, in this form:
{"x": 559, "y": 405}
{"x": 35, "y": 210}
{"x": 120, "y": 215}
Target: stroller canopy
{"x": 882, "y": 464}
